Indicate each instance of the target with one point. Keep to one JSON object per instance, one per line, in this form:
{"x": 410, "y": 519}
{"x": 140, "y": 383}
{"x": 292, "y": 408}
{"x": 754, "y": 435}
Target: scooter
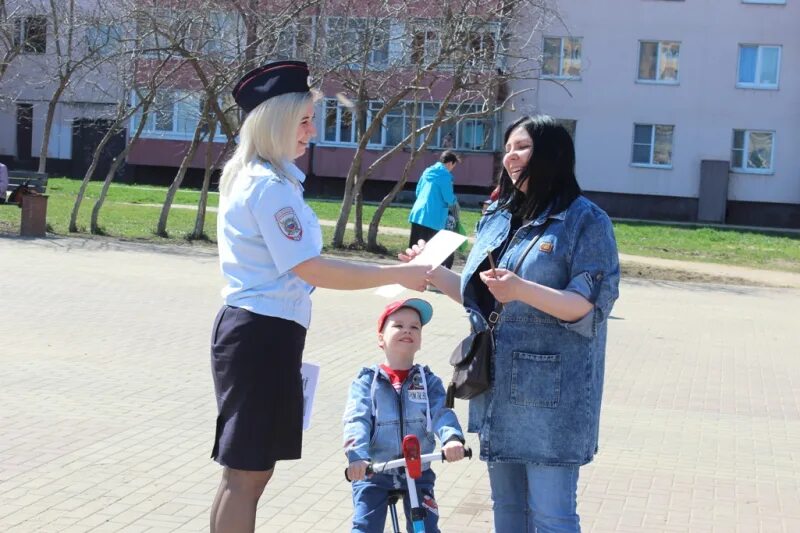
{"x": 412, "y": 461}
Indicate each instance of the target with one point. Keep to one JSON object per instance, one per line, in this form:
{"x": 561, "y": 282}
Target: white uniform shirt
{"x": 264, "y": 229}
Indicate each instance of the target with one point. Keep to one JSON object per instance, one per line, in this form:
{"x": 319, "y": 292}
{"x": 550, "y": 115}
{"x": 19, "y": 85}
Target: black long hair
{"x": 550, "y": 172}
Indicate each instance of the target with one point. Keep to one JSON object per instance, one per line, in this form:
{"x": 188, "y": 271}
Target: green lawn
{"x": 121, "y": 217}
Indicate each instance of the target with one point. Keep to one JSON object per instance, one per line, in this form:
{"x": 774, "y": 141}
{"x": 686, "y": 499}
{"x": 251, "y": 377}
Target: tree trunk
{"x": 200, "y": 221}
{"x": 161, "y": 228}
{"x": 372, "y": 233}
{"x": 48, "y": 124}
{"x": 73, "y": 217}
{"x": 347, "y": 201}
{"x": 93, "y": 227}
{"x": 358, "y": 220}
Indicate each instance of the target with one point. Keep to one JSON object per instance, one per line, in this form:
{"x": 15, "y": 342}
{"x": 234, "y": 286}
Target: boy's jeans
{"x": 534, "y": 498}
{"x": 370, "y": 501}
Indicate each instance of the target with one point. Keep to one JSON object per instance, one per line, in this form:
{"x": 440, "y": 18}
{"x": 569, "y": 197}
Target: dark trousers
{"x": 425, "y": 233}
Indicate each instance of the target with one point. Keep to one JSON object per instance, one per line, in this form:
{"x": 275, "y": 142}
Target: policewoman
{"x": 269, "y": 249}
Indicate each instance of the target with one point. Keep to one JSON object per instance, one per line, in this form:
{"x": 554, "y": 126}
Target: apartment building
{"x": 680, "y": 109}
{"x": 653, "y": 88}
{"x": 175, "y": 112}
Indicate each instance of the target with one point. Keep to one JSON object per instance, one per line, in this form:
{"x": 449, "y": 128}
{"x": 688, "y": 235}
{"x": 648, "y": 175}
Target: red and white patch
{"x": 430, "y": 504}
{"x": 289, "y": 223}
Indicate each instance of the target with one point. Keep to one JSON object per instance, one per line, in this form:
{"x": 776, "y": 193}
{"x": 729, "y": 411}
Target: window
{"x": 105, "y": 39}
{"x": 483, "y": 44}
{"x": 221, "y": 34}
{"x": 339, "y": 126}
{"x": 562, "y": 57}
{"x": 425, "y": 46}
{"x": 652, "y": 145}
{"x": 759, "y": 66}
{"x": 473, "y": 134}
{"x": 30, "y": 34}
{"x": 293, "y": 41}
{"x": 658, "y": 61}
{"x": 172, "y": 115}
{"x": 151, "y": 27}
{"x": 752, "y": 151}
{"x": 349, "y": 38}
{"x": 569, "y": 125}
{"x": 763, "y": 1}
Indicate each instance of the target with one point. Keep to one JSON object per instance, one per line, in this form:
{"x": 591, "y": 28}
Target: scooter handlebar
{"x": 373, "y": 468}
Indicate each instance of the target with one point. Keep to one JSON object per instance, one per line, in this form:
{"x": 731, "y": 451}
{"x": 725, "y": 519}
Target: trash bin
{"x": 34, "y": 215}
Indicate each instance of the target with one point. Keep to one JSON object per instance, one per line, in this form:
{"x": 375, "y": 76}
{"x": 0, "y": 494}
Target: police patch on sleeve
{"x": 289, "y": 224}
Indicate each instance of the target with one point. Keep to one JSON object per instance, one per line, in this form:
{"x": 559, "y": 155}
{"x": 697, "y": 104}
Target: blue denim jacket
{"x": 547, "y": 377}
{"x": 374, "y": 426}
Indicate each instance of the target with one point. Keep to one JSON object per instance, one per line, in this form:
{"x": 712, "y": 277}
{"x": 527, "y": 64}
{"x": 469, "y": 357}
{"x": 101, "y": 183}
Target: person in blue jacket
{"x": 387, "y": 402}
{"x": 435, "y": 196}
{"x": 539, "y": 420}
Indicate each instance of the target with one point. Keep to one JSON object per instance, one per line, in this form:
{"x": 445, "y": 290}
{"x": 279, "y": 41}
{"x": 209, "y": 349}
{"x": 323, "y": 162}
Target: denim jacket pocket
{"x": 385, "y": 432}
{"x": 535, "y": 379}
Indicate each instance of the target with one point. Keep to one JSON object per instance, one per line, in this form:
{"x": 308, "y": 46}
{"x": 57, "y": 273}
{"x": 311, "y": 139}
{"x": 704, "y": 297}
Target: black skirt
{"x": 255, "y": 362}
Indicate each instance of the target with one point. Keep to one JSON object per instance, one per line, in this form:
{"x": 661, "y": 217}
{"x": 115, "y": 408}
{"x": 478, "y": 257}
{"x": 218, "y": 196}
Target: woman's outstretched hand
{"x": 412, "y": 252}
{"x": 502, "y": 283}
{"x": 414, "y": 277}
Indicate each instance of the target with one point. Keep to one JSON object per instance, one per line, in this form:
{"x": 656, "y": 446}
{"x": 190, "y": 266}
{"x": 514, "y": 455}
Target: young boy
{"x": 388, "y": 402}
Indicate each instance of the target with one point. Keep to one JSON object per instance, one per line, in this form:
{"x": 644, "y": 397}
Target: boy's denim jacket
{"x": 377, "y": 418}
{"x": 543, "y": 406}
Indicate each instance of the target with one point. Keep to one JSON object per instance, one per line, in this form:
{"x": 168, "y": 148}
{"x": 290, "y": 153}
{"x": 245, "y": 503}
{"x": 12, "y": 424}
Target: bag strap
{"x": 494, "y": 316}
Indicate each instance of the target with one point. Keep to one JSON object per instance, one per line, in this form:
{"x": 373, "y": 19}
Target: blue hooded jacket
{"x": 377, "y": 417}
{"x": 434, "y": 196}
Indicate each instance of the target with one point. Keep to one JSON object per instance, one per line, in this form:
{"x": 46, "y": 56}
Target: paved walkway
{"x": 107, "y": 403}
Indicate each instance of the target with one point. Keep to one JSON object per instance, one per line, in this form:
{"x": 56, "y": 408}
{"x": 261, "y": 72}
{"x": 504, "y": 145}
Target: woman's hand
{"x": 357, "y": 470}
{"x": 453, "y": 451}
{"x": 412, "y": 252}
{"x": 414, "y": 277}
{"x": 503, "y": 284}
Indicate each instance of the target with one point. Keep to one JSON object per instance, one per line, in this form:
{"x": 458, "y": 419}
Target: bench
{"x": 34, "y": 206}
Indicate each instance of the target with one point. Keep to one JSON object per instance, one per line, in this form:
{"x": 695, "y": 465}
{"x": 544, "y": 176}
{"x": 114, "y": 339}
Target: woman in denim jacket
{"x": 538, "y": 422}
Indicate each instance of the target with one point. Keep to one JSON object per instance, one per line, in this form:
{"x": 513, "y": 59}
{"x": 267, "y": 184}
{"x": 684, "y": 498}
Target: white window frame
{"x": 745, "y": 152}
{"x": 225, "y": 31}
{"x": 431, "y": 47}
{"x": 403, "y": 107}
{"x": 656, "y": 80}
{"x": 561, "y": 75}
{"x": 373, "y": 62}
{"x": 652, "y": 146}
{"x": 758, "y": 84}
{"x": 180, "y": 99}
{"x": 339, "y": 109}
{"x": 775, "y": 2}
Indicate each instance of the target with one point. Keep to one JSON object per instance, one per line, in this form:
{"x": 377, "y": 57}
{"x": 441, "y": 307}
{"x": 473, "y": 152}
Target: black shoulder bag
{"x": 472, "y": 358}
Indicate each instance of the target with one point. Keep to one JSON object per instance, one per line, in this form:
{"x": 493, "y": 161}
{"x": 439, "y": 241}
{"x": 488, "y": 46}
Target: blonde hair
{"x": 270, "y": 132}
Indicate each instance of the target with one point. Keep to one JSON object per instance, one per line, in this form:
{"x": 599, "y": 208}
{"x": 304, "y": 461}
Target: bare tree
{"x": 403, "y": 55}
{"x": 69, "y": 59}
{"x": 11, "y": 41}
{"x": 217, "y": 45}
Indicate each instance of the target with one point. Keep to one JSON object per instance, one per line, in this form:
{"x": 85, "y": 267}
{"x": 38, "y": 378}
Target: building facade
{"x": 653, "y": 88}
{"x": 680, "y": 110}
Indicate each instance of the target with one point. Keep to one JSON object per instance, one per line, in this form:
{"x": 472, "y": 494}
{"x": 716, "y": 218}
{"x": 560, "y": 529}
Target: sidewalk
{"x": 108, "y": 406}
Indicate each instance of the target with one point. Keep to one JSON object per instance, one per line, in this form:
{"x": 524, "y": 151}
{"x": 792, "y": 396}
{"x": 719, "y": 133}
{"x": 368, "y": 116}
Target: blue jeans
{"x": 370, "y": 501}
{"x": 533, "y": 498}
